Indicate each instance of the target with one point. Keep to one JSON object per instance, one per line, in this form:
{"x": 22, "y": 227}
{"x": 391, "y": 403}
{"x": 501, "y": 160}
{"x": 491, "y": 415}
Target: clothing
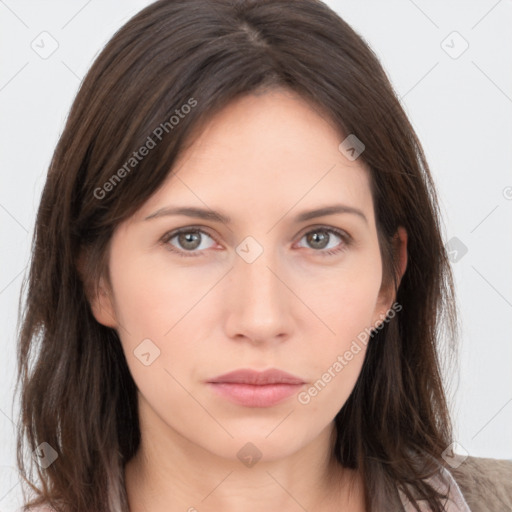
{"x": 455, "y": 502}
{"x": 486, "y": 483}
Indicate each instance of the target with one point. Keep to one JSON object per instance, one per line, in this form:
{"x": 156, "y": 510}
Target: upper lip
{"x": 248, "y": 376}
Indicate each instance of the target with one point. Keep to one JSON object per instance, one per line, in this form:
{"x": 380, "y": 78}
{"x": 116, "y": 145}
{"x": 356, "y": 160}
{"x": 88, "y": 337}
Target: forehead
{"x": 266, "y": 152}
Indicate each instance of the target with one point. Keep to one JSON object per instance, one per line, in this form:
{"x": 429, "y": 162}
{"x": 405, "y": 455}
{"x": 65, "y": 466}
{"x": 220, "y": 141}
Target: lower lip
{"x": 250, "y": 395}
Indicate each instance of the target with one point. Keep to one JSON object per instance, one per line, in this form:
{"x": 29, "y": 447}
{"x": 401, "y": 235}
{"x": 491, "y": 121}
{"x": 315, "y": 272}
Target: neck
{"x": 171, "y": 474}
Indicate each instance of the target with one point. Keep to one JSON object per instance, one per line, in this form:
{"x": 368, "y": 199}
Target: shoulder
{"x": 486, "y": 484}
{"x": 477, "y": 485}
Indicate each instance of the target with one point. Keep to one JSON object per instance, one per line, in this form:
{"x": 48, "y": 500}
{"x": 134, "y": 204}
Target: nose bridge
{"x": 260, "y": 298}
{"x": 257, "y": 269}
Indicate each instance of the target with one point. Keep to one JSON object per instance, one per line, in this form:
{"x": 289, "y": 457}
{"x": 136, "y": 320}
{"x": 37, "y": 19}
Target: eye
{"x": 189, "y": 239}
{"x": 320, "y": 239}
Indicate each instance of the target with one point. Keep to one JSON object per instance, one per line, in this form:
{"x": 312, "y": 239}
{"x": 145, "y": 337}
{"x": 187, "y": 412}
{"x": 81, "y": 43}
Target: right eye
{"x": 190, "y": 240}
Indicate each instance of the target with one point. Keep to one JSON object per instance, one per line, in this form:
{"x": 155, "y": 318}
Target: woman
{"x": 238, "y": 277}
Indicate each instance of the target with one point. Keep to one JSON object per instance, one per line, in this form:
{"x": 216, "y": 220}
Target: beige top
{"x": 455, "y": 501}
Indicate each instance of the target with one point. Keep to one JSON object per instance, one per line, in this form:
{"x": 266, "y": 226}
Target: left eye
{"x": 321, "y": 241}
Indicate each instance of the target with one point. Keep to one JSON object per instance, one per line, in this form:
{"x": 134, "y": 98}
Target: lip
{"x": 252, "y": 388}
{"x": 248, "y": 376}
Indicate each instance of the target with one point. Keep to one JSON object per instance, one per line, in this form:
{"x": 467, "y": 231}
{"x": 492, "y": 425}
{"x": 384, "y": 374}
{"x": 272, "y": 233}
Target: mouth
{"x": 251, "y": 388}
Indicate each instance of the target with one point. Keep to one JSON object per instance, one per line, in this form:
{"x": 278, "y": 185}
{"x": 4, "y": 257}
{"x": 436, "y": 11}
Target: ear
{"x": 99, "y": 295}
{"x": 102, "y": 305}
{"x": 387, "y": 291}
{"x": 400, "y": 250}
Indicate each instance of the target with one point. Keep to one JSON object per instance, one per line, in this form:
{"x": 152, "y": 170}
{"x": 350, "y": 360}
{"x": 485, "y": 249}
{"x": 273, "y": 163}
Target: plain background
{"x": 459, "y": 101}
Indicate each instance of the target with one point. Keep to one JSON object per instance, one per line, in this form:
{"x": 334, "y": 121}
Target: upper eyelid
{"x": 168, "y": 235}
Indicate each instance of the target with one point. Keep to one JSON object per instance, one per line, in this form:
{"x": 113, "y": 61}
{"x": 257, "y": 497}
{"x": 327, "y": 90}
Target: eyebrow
{"x": 206, "y": 214}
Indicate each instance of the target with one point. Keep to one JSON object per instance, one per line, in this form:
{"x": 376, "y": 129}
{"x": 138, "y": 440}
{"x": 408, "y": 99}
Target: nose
{"x": 258, "y": 301}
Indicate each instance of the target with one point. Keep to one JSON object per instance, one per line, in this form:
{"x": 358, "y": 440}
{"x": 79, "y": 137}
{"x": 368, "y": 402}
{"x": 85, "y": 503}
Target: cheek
{"x": 346, "y": 307}
{"x": 159, "y": 312}
{"x": 151, "y": 297}
{"x": 336, "y": 358}
{"x": 326, "y": 395}
{"x": 346, "y": 302}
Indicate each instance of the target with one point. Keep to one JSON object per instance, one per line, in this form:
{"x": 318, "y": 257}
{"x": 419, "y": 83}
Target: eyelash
{"x": 347, "y": 240}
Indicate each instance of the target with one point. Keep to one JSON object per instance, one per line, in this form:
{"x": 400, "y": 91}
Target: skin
{"x": 261, "y": 160}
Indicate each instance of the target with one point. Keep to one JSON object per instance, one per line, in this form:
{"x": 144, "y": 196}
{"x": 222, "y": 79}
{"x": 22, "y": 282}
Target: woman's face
{"x": 265, "y": 289}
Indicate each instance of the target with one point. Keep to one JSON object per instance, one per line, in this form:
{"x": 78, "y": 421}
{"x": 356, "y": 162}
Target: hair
{"x": 77, "y": 393}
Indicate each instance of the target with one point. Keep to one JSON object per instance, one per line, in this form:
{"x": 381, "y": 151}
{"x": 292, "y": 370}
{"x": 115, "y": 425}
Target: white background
{"x": 460, "y": 107}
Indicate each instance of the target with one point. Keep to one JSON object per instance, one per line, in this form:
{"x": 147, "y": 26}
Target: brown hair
{"x": 77, "y": 393}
